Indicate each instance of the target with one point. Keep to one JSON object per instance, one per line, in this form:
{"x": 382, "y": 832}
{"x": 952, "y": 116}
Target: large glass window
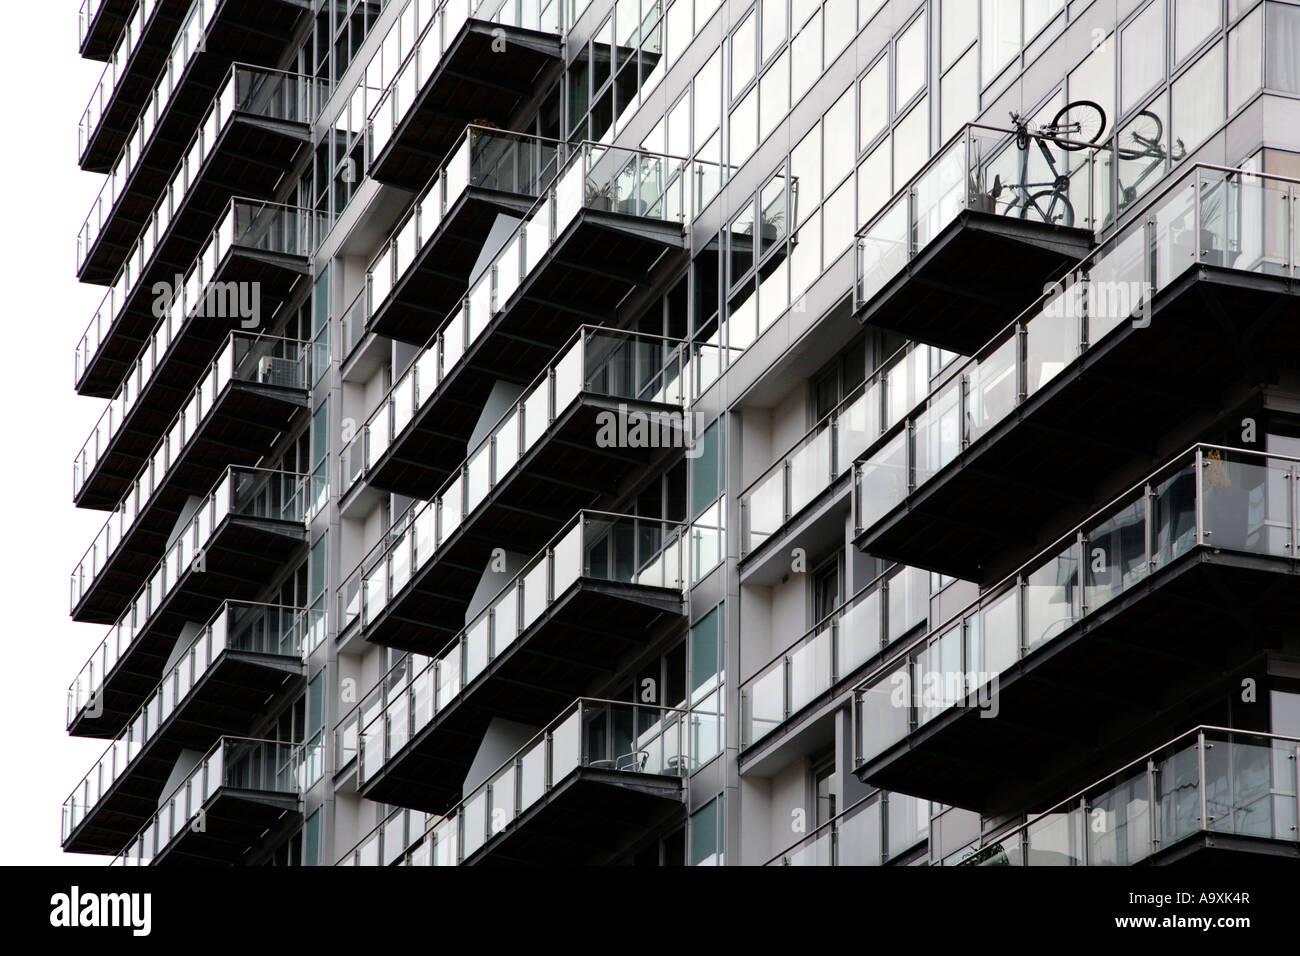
{"x": 1245, "y": 60}
{"x": 911, "y": 58}
{"x": 1194, "y": 21}
{"x": 742, "y": 54}
{"x": 873, "y": 103}
{"x": 1142, "y": 52}
{"x": 1198, "y": 101}
{"x": 959, "y": 93}
{"x": 706, "y": 835}
{"x": 957, "y": 27}
{"x": 1000, "y": 35}
{"x": 1094, "y": 79}
{"x": 1283, "y": 47}
{"x": 911, "y": 143}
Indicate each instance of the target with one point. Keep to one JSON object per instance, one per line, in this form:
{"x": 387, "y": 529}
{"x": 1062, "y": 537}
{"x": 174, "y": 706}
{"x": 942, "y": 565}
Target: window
{"x": 742, "y": 54}
{"x": 1142, "y": 49}
{"x": 1198, "y": 101}
{"x": 957, "y": 27}
{"x": 910, "y": 60}
{"x": 911, "y": 143}
{"x": 706, "y": 835}
{"x": 1094, "y": 79}
{"x": 1283, "y": 47}
{"x": 825, "y": 589}
{"x": 959, "y": 93}
{"x": 1000, "y": 33}
{"x": 706, "y": 640}
{"x": 806, "y": 58}
{"x": 1194, "y": 21}
{"x": 825, "y": 793}
{"x": 873, "y": 103}
{"x": 1245, "y": 60}
{"x": 707, "y": 468}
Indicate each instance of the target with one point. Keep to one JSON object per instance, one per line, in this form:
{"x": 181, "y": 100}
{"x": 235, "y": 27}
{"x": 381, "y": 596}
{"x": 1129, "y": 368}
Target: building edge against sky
{"x": 690, "y": 433}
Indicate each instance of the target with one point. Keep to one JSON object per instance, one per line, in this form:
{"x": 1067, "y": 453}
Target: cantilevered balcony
{"x": 601, "y": 776}
{"x": 592, "y": 599}
{"x": 557, "y": 451}
{"x": 145, "y": 38}
{"x": 1190, "y": 575}
{"x": 1095, "y": 386}
{"x": 252, "y": 128}
{"x": 788, "y": 707}
{"x": 597, "y": 371}
{"x": 597, "y": 234}
{"x": 874, "y": 831}
{"x": 782, "y": 504}
{"x": 472, "y": 61}
{"x": 100, "y": 23}
{"x": 1213, "y": 796}
{"x": 245, "y": 398}
{"x": 230, "y": 548}
{"x": 244, "y": 272}
{"x": 247, "y": 793}
{"x": 952, "y": 257}
{"x": 423, "y": 270}
{"x": 220, "y": 685}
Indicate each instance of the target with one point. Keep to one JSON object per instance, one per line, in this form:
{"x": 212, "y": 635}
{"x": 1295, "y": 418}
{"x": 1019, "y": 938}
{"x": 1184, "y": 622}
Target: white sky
{"x": 44, "y": 197}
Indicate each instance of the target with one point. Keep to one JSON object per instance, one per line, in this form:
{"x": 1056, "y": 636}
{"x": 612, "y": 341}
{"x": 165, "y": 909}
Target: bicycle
{"x": 1075, "y": 127}
{"x": 1143, "y": 138}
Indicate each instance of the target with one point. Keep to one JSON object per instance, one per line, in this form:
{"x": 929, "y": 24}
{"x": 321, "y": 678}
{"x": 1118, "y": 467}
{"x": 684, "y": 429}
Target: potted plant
{"x": 599, "y": 197}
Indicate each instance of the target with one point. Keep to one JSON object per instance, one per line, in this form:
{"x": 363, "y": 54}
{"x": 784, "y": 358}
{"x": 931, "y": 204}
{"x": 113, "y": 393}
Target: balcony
{"x": 788, "y": 706}
{"x": 1191, "y": 575}
{"x": 243, "y": 656}
{"x": 423, "y": 270}
{"x": 248, "y": 396}
{"x": 147, "y": 30}
{"x": 233, "y": 545}
{"x": 454, "y": 75}
{"x": 961, "y": 487}
{"x": 247, "y": 792}
{"x": 952, "y": 257}
{"x": 250, "y": 132}
{"x": 594, "y": 597}
{"x": 779, "y": 505}
{"x": 1210, "y": 797}
{"x": 570, "y": 263}
{"x": 245, "y": 272}
{"x": 597, "y": 778}
{"x": 873, "y": 832}
{"x": 99, "y": 24}
{"x": 552, "y": 454}
{"x": 216, "y": 34}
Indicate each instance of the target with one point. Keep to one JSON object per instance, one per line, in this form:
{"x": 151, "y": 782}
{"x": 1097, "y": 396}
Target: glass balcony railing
{"x": 190, "y": 40}
{"x": 484, "y": 158}
{"x": 86, "y": 19}
{"x": 247, "y": 225}
{"x": 601, "y": 361}
{"x": 872, "y": 832}
{"x": 612, "y": 364}
{"x": 241, "y": 493}
{"x": 246, "y": 357}
{"x": 1211, "y": 780}
{"x": 138, "y": 23}
{"x": 1229, "y": 499}
{"x": 596, "y": 546}
{"x": 253, "y": 92}
{"x": 1208, "y": 217}
{"x": 249, "y": 628}
{"x": 829, "y": 450}
{"x": 235, "y": 763}
{"x": 604, "y": 735}
{"x": 437, "y": 35}
{"x": 884, "y": 611}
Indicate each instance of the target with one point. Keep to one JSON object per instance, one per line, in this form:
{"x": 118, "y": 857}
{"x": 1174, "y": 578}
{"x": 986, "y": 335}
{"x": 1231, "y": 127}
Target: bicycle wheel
{"x": 1051, "y": 206}
{"x": 1142, "y": 137}
{"x": 1081, "y": 123}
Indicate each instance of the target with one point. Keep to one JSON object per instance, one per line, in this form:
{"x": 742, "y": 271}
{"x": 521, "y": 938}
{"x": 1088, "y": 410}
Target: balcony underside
{"x": 240, "y": 430}
{"x": 564, "y": 473}
{"x": 105, "y": 29}
{"x": 1072, "y": 706}
{"x": 242, "y": 557}
{"x": 438, "y": 276}
{"x": 591, "y": 817}
{"x": 248, "y": 172}
{"x": 977, "y": 275}
{"x": 1220, "y": 850}
{"x": 133, "y": 86}
{"x": 1112, "y": 416}
{"x": 488, "y": 72}
{"x": 251, "y": 32}
{"x": 228, "y": 699}
{"x": 236, "y": 823}
{"x": 578, "y": 642}
{"x": 585, "y": 276}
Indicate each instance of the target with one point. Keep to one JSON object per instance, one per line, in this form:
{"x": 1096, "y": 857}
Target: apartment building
{"x": 859, "y": 432}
